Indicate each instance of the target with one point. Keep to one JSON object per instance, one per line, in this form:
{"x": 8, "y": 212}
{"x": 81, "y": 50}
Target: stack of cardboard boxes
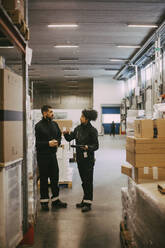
{"x": 145, "y": 153}
{"x": 11, "y": 154}
{"x": 143, "y": 207}
{"x": 14, "y": 5}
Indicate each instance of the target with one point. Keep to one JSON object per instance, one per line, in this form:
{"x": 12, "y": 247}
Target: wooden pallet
{"x": 125, "y": 237}
{"x": 19, "y": 21}
{"x": 66, "y": 183}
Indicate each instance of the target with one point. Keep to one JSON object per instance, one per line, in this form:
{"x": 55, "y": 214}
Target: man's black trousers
{"x": 48, "y": 168}
{"x": 86, "y": 169}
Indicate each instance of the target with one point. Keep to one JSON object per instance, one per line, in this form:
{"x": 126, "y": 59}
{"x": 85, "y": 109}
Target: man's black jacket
{"x": 46, "y": 130}
{"x": 84, "y": 135}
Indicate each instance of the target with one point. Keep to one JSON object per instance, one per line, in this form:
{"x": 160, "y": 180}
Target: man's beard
{"x": 49, "y": 118}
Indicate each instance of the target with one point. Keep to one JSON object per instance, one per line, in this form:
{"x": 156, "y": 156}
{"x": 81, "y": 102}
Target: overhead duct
{"x": 144, "y": 55}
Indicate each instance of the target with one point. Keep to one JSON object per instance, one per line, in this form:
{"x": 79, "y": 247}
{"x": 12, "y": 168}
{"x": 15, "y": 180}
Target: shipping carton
{"x": 143, "y": 160}
{"x": 145, "y": 146}
{"x": 14, "y": 5}
{"x": 159, "y": 124}
{"x": 11, "y": 88}
{"x": 11, "y": 116}
{"x": 143, "y": 128}
{"x": 146, "y": 174}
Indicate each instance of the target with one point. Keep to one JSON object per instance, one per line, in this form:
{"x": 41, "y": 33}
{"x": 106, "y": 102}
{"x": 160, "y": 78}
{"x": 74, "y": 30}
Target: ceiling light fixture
{"x": 68, "y": 59}
{"x": 72, "y": 81}
{"x": 62, "y": 26}
{"x": 71, "y": 69}
{"x": 66, "y": 46}
{"x": 142, "y": 26}
{"x": 2, "y": 47}
{"x": 128, "y": 46}
{"x": 70, "y": 75}
{"x": 118, "y": 60}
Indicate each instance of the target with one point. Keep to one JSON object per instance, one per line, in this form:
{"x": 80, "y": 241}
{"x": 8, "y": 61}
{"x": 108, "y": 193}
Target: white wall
{"x": 106, "y": 91}
{"x": 71, "y": 114}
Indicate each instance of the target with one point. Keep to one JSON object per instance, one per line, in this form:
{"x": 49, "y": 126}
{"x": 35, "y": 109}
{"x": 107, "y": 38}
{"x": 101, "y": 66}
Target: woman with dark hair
{"x": 86, "y": 137}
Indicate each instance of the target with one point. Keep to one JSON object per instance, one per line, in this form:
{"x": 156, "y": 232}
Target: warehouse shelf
{"x": 13, "y": 36}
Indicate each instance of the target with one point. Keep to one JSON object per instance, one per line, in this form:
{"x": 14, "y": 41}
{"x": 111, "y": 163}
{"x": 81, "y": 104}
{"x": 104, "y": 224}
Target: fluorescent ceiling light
{"x": 72, "y": 81}
{"x": 142, "y": 26}
{"x": 6, "y": 47}
{"x": 71, "y": 69}
{"x": 70, "y": 75}
{"x": 68, "y": 59}
{"x": 110, "y": 69}
{"x": 118, "y": 60}
{"x": 128, "y": 46}
{"x": 62, "y": 26}
{"x": 66, "y": 46}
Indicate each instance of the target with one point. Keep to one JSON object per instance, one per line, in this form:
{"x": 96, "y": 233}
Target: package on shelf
{"x": 144, "y": 128}
{"x": 14, "y": 5}
{"x": 145, "y": 174}
{"x": 145, "y": 152}
{"x": 11, "y": 124}
{"x": 159, "y": 110}
{"x": 11, "y": 207}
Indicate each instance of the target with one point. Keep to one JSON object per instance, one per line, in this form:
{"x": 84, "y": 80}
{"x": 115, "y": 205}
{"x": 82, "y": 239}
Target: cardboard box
{"x": 11, "y": 86}
{"x": 11, "y": 117}
{"x": 159, "y": 124}
{"x": 145, "y": 160}
{"x": 64, "y": 124}
{"x": 11, "y": 140}
{"x": 144, "y": 128}
{"x": 127, "y": 170}
{"x": 145, "y": 146}
{"x": 14, "y": 5}
{"x": 146, "y": 174}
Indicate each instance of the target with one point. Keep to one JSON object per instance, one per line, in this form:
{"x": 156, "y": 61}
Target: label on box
{"x": 155, "y": 172}
{"x": 133, "y": 173}
{"x": 146, "y": 170}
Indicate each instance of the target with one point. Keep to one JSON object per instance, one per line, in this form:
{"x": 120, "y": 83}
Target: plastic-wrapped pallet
{"x": 63, "y": 155}
{"x": 11, "y": 207}
{"x": 146, "y": 214}
{"x": 132, "y": 115}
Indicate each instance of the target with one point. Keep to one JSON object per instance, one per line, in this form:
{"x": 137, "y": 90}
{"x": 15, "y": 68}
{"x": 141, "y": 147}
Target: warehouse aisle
{"x": 99, "y": 228}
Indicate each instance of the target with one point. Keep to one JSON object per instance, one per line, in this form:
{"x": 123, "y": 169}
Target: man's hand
{"x": 53, "y": 143}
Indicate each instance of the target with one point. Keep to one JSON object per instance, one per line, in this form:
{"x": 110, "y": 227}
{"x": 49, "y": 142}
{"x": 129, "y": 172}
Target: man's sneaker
{"x": 44, "y": 207}
{"x": 80, "y": 205}
{"x": 59, "y": 204}
{"x": 86, "y": 207}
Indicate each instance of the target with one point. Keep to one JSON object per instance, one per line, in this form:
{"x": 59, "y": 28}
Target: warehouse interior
{"x": 84, "y": 54}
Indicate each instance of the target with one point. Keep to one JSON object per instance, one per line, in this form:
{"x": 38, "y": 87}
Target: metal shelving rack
{"x": 15, "y": 37}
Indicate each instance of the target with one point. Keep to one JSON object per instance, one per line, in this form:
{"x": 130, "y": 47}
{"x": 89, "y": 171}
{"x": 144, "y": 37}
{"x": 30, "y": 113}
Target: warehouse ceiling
{"x": 102, "y": 26}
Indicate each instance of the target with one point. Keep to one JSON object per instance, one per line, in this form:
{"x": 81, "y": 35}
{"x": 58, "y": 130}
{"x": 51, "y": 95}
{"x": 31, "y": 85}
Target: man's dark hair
{"x": 91, "y": 115}
{"x": 45, "y": 108}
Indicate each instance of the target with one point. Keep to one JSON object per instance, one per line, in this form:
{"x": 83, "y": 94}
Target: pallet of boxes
{"x": 11, "y": 154}
{"x": 143, "y": 207}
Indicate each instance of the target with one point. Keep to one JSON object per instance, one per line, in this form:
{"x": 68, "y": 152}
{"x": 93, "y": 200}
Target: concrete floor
{"x": 99, "y": 228}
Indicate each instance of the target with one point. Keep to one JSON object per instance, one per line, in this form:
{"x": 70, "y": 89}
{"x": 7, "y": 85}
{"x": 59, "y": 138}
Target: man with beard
{"x": 48, "y": 138}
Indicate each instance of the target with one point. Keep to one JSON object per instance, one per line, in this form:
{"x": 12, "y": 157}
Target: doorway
{"x": 110, "y": 114}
